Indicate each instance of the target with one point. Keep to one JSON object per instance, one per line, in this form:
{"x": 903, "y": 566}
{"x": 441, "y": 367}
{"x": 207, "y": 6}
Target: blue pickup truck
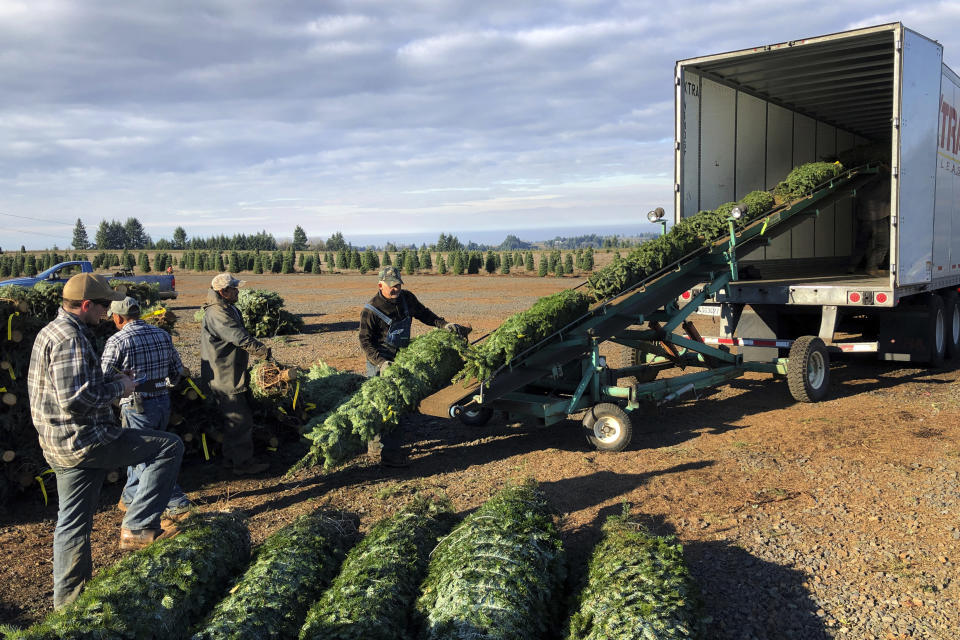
{"x": 167, "y": 284}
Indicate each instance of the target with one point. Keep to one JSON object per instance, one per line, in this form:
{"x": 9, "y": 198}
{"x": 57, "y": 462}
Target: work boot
{"x": 249, "y": 467}
{"x": 132, "y": 540}
{"x": 394, "y": 458}
{"x": 171, "y": 517}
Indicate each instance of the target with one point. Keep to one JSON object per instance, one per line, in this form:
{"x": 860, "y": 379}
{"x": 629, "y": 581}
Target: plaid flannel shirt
{"x": 69, "y": 396}
{"x": 147, "y": 351}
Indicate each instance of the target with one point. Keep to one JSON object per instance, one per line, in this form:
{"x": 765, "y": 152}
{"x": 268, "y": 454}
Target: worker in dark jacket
{"x": 225, "y": 350}
{"x": 384, "y": 328}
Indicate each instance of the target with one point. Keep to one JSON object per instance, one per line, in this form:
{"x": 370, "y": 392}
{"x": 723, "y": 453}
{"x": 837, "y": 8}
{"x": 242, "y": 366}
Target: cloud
{"x": 343, "y": 115}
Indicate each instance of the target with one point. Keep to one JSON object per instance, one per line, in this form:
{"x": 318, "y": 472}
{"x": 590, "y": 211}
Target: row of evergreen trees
{"x": 408, "y": 260}
{"x": 15, "y": 265}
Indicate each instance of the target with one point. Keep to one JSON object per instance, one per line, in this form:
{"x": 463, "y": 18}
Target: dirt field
{"x": 837, "y": 519}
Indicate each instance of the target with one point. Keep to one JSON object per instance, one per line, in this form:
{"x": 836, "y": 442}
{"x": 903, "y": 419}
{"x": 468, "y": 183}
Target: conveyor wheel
{"x": 608, "y": 427}
{"x": 475, "y": 416}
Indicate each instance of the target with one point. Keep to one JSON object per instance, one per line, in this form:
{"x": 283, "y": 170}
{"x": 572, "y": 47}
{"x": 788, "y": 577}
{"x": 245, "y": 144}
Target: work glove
{"x": 457, "y": 329}
{"x": 384, "y": 366}
{"x": 185, "y": 373}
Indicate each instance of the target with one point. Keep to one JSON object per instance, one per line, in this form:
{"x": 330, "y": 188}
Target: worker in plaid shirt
{"x": 70, "y": 403}
{"x": 149, "y": 353}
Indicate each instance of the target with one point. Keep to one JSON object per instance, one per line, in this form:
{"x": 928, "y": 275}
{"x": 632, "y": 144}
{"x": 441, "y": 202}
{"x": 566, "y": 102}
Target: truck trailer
{"x": 785, "y": 281}
{"x": 745, "y": 118}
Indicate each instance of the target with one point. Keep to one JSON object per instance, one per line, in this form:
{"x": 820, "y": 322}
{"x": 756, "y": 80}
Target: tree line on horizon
{"x": 130, "y": 235}
{"x": 408, "y": 260}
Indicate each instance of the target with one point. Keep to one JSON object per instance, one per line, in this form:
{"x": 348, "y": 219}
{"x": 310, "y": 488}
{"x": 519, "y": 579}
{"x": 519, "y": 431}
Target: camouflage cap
{"x": 223, "y": 280}
{"x": 89, "y": 286}
{"x": 390, "y": 276}
{"x": 126, "y": 307}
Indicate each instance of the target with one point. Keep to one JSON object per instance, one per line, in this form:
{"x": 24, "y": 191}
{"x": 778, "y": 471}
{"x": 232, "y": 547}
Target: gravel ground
{"x": 799, "y": 521}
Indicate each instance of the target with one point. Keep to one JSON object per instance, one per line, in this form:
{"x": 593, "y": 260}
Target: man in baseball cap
{"x": 384, "y": 329}
{"x": 82, "y": 440}
{"x": 225, "y": 350}
{"x": 148, "y": 352}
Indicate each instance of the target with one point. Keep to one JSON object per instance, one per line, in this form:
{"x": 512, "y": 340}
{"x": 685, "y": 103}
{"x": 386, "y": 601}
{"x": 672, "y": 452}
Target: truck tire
{"x": 951, "y": 303}
{"x": 608, "y": 427}
{"x": 475, "y": 416}
{"x": 937, "y": 331}
{"x": 808, "y": 370}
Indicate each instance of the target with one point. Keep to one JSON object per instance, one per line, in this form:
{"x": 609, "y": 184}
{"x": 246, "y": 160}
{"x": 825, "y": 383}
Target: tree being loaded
{"x": 157, "y": 592}
{"x": 374, "y": 594}
{"x": 523, "y": 330}
{"x": 637, "y": 586}
{"x": 424, "y": 367}
{"x": 288, "y": 573}
{"x": 703, "y": 229}
{"x": 498, "y": 574}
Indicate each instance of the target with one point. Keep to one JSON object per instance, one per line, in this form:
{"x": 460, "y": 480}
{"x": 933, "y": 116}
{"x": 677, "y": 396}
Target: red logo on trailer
{"x": 949, "y": 131}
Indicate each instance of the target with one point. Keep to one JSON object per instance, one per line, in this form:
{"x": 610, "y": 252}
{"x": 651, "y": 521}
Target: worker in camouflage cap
{"x": 384, "y": 328}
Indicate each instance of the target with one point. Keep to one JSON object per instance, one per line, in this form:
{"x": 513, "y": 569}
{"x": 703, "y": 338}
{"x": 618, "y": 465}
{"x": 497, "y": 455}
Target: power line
{"x": 13, "y": 215}
{"x": 39, "y": 233}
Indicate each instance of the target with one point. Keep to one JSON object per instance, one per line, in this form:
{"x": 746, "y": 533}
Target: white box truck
{"x": 745, "y": 118}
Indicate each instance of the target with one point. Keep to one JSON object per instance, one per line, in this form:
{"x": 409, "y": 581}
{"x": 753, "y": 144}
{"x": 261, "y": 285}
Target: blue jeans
{"x": 78, "y": 491}
{"x": 391, "y": 440}
{"x": 156, "y": 416}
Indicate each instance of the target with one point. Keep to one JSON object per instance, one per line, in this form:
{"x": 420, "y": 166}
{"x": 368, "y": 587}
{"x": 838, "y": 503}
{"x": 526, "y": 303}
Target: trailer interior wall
{"x": 745, "y": 119}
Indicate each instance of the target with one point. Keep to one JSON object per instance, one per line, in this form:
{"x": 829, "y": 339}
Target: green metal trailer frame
{"x": 565, "y": 373}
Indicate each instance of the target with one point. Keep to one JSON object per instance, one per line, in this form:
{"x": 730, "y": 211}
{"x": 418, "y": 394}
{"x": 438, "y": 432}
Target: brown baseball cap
{"x": 90, "y": 286}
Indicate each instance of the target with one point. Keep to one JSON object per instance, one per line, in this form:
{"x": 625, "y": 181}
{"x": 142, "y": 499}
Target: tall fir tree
{"x": 80, "y": 239}
{"x": 299, "y": 239}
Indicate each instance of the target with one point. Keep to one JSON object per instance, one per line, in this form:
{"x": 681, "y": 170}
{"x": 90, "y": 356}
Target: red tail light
{"x": 881, "y": 298}
{"x": 854, "y": 297}
{"x": 685, "y": 295}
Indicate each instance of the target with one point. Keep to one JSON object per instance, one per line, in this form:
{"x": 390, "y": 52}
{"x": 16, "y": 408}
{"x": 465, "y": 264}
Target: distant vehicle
{"x": 61, "y": 273}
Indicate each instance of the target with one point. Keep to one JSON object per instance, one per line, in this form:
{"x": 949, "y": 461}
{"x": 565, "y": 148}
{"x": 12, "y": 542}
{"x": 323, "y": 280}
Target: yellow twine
{"x": 155, "y": 312}
{"x": 309, "y": 406}
{"x": 197, "y": 389}
{"x": 3, "y": 389}
{"x": 10, "y": 371}
{"x": 763, "y": 229}
{"x": 271, "y": 448}
{"x": 295, "y": 394}
{"x": 203, "y": 439}
{"x": 10, "y": 324}
{"x": 281, "y": 410}
{"x": 43, "y": 487}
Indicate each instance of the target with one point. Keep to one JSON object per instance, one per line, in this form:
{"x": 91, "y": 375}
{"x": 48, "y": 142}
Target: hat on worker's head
{"x": 390, "y": 276}
{"x": 91, "y": 286}
{"x": 223, "y": 280}
{"x": 126, "y": 307}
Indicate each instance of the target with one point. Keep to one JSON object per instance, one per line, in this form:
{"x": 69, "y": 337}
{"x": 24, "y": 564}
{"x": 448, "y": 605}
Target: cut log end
{"x": 9, "y": 455}
{"x": 9, "y": 399}
{"x": 113, "y": 476}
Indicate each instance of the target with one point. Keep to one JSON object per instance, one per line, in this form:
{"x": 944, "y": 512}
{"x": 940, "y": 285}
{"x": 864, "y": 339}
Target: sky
{"x": 363, "y": 116}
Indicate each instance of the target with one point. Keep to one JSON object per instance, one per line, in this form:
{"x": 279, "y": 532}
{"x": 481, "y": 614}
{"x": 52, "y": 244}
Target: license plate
{"x": 709, "y": 309}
